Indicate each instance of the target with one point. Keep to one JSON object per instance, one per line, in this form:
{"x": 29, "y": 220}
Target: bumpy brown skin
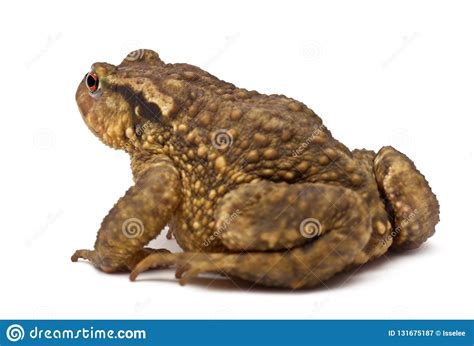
{"x": 252, "y": 186}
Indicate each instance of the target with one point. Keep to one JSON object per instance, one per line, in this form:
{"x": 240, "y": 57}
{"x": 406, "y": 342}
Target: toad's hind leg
{"x": 414, "y": 207}
{"x": 280, "y": 235}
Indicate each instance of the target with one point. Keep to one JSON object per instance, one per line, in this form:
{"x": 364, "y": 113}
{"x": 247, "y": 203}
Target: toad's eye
{"x": 92, "y": 82}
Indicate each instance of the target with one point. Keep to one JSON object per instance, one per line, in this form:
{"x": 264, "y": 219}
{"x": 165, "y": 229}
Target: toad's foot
{"x": 188, "y": 264}
{"x": 154, "y": 261}
{"x": 414, "y": 207}
{"x": 112, "y": 265}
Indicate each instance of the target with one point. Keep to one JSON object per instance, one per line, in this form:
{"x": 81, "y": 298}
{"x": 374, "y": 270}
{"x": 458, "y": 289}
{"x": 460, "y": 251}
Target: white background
{"x": 378, "y": 74}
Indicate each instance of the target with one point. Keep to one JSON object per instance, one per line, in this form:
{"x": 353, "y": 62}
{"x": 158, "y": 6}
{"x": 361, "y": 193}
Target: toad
{"x": 252, "y": 186}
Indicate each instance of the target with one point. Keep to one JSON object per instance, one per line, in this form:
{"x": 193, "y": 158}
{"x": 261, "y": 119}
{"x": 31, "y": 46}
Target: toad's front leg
{"x": 137, "y": 218}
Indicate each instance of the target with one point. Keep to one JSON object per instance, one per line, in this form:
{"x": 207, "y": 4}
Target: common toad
{"x": 251, "y": 186}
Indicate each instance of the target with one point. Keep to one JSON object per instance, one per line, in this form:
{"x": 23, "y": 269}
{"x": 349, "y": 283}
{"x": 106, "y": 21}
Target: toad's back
{"x": 271, "y": 136}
